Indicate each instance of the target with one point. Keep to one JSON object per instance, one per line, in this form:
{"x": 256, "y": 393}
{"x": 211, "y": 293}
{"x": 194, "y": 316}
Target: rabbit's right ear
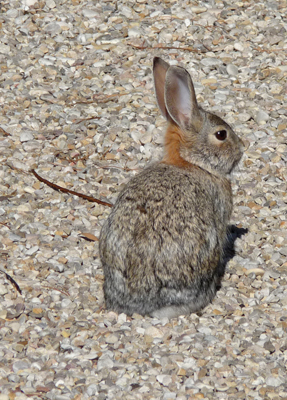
{"x": 159, "y": 73}
{"x": 180, "y": 99}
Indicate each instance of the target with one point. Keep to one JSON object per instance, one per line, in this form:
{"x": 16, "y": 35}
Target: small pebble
{"x": 50, "y": 3}
{"x": 153, "y": 332}
{"x": 165, "y": 380}
{"x": 26, "y": 136}
{"x": 238, "y": 46}
{"x": 261, "y": 117}
{"x": 20, "y": 365}
{"x": 232, "y": 69}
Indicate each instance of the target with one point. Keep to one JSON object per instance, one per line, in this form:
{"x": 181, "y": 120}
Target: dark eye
{"x": 221, "y": 135}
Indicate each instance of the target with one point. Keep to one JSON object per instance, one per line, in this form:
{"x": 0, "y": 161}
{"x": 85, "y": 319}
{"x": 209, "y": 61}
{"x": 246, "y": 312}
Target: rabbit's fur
{"x": 162, "y": 245}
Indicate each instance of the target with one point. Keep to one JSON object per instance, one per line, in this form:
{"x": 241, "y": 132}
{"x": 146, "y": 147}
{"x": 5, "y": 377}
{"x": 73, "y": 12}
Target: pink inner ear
{"x": 178, "y": 99}
{"x": 183, "y": 98}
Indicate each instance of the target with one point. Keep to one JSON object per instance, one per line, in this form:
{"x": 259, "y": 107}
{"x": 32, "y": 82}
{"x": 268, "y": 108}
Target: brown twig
{"x": 10, "y": 279}
{"x": 5, "y": 224}
{"x": 8, "y": 196}
{"x": 107, "y": 151}
{"x": 75, "y": 121}
{"x": 264, "y": 50}
{"x": 64, "y": 190}
{"x": 62, "y": 156}
{"x": 116, "y": 167}
{"x": 100, "y": 98}
{"x": 58, "y": 290}
{"x": 4, "y": 133}
{"x": 156, "y": 47}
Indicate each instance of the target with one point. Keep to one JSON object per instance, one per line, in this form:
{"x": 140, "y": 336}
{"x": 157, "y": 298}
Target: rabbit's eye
{"x": 221, "y": 135}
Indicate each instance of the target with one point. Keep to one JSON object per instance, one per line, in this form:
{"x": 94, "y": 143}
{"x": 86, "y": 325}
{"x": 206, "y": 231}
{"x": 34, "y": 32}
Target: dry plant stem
{"x": 99, "y": 98}
{"x": 64, "y": 190}
{"x": 116, "y": 166}
{"x": 10, "y": 279}
{"x": 5, "y": 224}
{"x": 84, "y": 119}
{"x": 58, "y": 290}
{"x": 157, "y": 47}
{"x": 164, "y": 48}
{"x": 4, "y": 133}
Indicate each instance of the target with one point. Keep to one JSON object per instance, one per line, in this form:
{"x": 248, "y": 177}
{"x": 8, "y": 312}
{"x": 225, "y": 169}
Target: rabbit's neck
{"x": 173, "y": 144}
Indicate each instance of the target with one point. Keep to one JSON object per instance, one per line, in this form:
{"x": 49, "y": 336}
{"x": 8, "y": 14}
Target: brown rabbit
{"x": 162, "y": 245}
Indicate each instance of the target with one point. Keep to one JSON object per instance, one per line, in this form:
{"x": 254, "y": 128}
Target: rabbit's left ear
{"x": 180, "y": 99}
{"x": 159, "y": 73}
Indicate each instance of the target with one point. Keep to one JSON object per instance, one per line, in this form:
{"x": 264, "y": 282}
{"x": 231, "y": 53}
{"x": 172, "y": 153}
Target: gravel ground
{"x": 77, "y": 104}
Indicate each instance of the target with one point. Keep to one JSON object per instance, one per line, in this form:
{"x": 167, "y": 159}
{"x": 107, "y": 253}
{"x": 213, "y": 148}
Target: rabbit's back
{"x": 166, "y": 230}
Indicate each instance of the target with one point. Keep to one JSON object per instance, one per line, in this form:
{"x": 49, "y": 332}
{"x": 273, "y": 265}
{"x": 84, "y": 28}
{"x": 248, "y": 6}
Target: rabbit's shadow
{"x": 229, "y": 249}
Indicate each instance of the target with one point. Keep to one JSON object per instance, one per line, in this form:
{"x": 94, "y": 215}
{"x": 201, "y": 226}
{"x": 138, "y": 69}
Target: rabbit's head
{"x": 193, "y": 136}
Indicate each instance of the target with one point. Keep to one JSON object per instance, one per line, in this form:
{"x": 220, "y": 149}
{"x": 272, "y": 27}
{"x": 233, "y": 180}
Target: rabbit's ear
{"x": 159, "y": 72}
{"x": 180, "y": 99}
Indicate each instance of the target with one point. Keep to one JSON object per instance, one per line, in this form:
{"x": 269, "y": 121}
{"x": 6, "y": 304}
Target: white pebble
{"x": 261, "y": 117}
{"x": 153, "y": 332}
{"x": 134, "y": 33}
{"x": 29, "y": 3}
{"x": 238, "y": 46}
{"x": 232, "y": 69}
{"x": 50, "y": 3}
{"x": 165, "y": 380}
{"x": 89, "y": 13}
{"x": 32, "y": 250}
{"x": 26, "y": 136}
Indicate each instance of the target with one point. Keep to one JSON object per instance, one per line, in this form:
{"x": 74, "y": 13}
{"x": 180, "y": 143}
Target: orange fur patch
{"x": 173, "y": 141}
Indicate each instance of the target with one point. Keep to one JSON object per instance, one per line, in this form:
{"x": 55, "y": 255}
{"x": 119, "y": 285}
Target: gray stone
{"x": 211, "y": 62}
{"x": 283, "y": 250}
{"x": 53, "y": 29}
{"x": 32, "y": 250}
{"x": 105, "y": 362}
{"x": 269, "y": 346}
{"x": 92, "y": 390}
{"x": 50, "y": 3}
{"x": 274, "y": 381}
{"x": 134, "y": 33}
{"x": 238, "y": 46}
{"x": 261, "y": 117}
{"x": 232, "y": 69}
{"x": 88, "y": 13}
{"x": 20, "y": 365}
{"x": 26, "y": 136}
{"x": 165, "y": 380}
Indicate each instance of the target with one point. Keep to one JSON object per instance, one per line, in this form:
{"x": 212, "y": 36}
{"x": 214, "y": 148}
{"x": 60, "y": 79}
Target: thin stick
{"x": 64, "y": 190}
{"x": 58, "y": 290}
{"x": 159, "y": 47}
{"x": 4, "y": 133}
{"x": 5, "y": 224}
{"x": 10, "y": 279}
{"x": 101, "y": 98}
{"x": 75, "y": 121}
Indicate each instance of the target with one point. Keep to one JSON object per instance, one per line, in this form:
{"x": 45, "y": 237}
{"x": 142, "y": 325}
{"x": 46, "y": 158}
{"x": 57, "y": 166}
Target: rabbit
{"x": 162, "y": 245}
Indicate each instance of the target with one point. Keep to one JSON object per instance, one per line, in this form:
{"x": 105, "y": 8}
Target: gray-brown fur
{"x": 162, "y": 245}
